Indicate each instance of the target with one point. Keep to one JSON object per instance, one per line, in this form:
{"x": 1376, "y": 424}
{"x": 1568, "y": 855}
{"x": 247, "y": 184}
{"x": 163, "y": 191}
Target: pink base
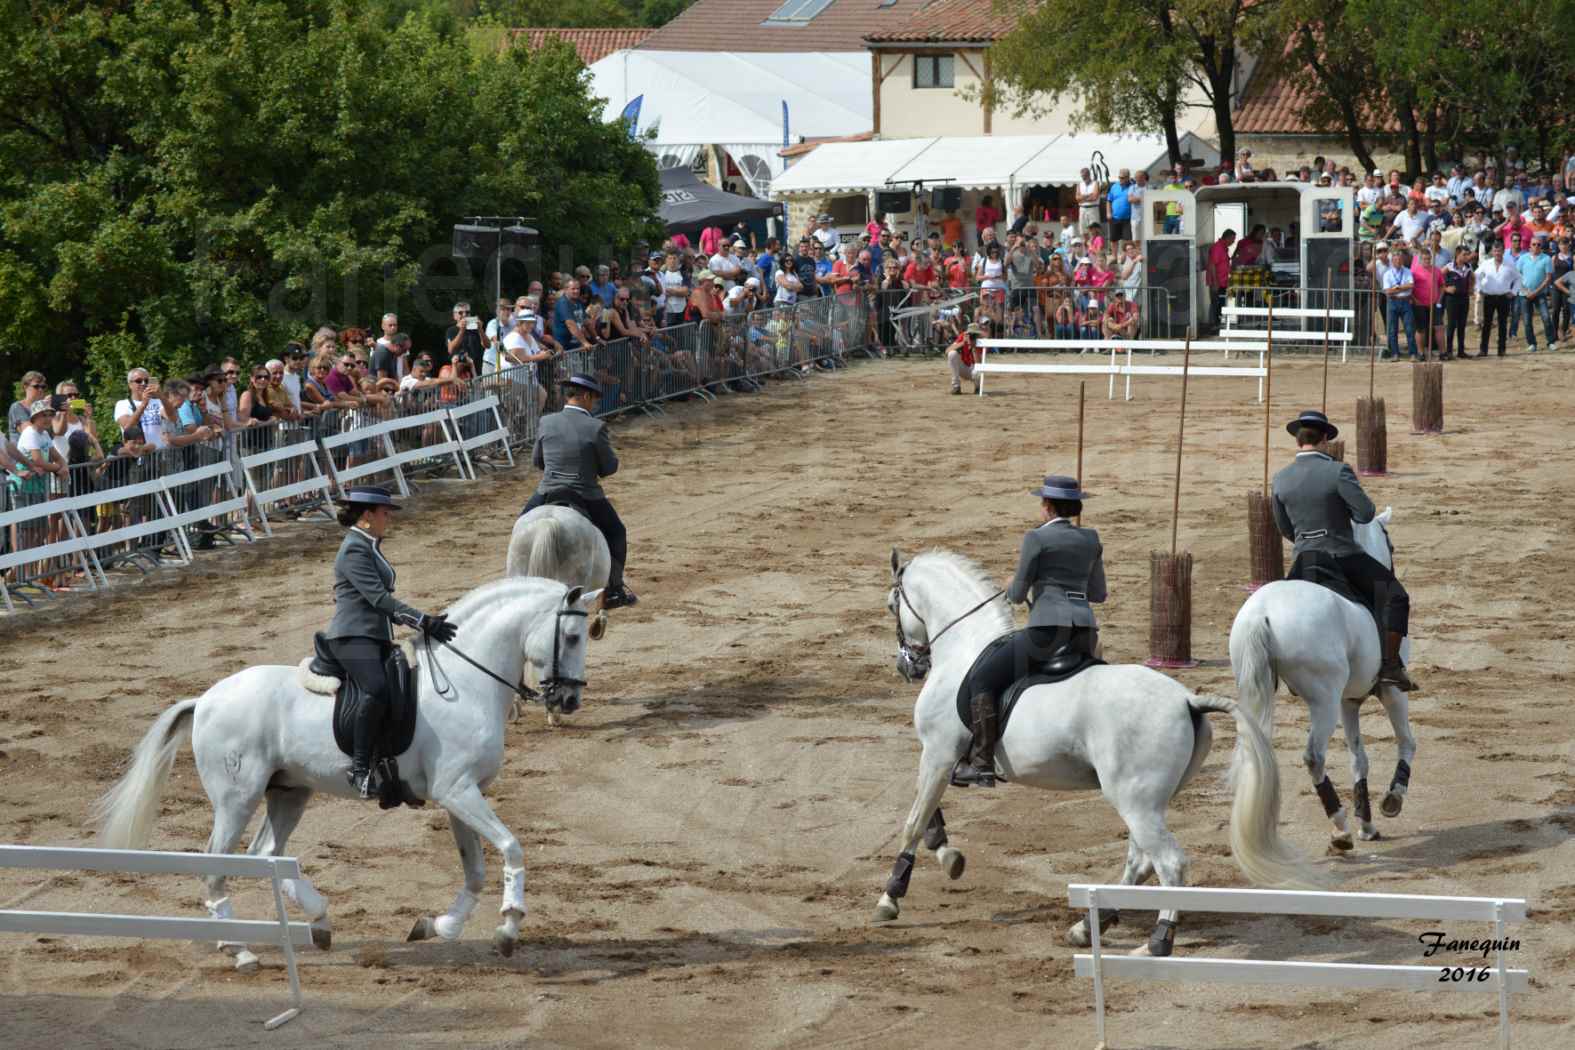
{"x": 1155, "y": 661}
{"x": 1373, "y": 473}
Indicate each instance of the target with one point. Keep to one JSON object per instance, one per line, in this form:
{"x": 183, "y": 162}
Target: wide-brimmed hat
{"x": 369, "y": 496}
{"x": 1059, "y": 486}
{"x": 974, "y": 329}
{"x": 1315, "y": 419}
{"x": 584, "y": 382}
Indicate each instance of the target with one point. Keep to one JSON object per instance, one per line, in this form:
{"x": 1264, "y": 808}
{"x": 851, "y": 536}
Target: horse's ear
{"x": 1385, "y": 516}
{"x": 573, "y": 596}
{"x": 590, "y": 598}
{"x": 896, "y": 562}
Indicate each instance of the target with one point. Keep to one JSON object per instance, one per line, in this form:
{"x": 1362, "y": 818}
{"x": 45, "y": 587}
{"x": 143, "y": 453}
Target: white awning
{"x": 974, "y": 163}
{"x": 1060, "y": 164}
{"x": 848, "y": 167}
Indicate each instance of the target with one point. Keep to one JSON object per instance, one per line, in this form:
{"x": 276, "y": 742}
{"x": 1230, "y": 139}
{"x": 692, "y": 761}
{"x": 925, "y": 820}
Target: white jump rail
{"x": 499, "y": 434}
{"x": 1297, "y": 313}
{"x": 1500, "y": 911}
{"x": 280, "y": 931}
{"x": 1115, "y": 368}
{"x": 41, "y": 513}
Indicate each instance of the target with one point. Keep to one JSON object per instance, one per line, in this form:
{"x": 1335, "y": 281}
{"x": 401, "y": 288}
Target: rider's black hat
{"x": 1059, "y": 486}
{"x": 1315, "y": 419}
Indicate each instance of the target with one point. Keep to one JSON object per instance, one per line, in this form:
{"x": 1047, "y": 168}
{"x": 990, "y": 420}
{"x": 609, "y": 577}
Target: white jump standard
{"x": 1115, "y": 367}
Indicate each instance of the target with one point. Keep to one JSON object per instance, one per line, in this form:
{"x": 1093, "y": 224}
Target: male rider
{"x": 1316, "y": 500}
{"x": 574, "y": 453}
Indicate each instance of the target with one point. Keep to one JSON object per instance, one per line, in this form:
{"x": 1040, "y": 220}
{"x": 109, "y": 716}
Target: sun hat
{"x": 1315, "y": 419}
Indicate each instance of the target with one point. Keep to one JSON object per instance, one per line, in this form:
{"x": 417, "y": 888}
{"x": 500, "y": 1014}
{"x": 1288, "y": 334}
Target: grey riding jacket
{"x": 364, "y": 602}
{"x": 1062, "y": 567}
{"x": 574, "y": 453}
{"x": 1316, "y": 499}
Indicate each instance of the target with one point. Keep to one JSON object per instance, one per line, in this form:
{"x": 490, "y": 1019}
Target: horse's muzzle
{"x": 912, "y": 664}
{"x": 562, "y": 697}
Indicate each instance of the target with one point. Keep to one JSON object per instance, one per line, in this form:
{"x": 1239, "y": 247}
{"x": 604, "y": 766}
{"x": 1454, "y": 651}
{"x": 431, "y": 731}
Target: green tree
{"x": 1131, "y": 64}
{"x": 207, "y": 178}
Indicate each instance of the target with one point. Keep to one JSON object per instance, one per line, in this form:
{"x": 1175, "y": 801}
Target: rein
{"x": 519, "y": 690}
{"x": 922, "y": 651}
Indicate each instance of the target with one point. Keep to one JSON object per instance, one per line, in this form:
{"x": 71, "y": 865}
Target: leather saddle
{"x": 1314, "y": 568}
{"x": 399, "y": 720}
{"x": 1066, "y": 662}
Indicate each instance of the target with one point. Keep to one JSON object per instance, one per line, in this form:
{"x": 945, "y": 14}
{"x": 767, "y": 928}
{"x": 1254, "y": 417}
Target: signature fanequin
{"x": 1436, "y": 941}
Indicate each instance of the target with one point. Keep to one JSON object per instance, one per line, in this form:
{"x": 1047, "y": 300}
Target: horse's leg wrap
{"x": 1163, "y": 940}
{"x": 1402, "y": 775}
{"x": 451, "y": 923}
{"x": 513, "y": 890}
{"x": 901, "y": 872}
{"x": 1364, "y": 805}
{"x": 304, "y": 895}
{"x": 1109, "y": 917}
{"x": 935, "y": 831}
{"x": 1329, "y": 797}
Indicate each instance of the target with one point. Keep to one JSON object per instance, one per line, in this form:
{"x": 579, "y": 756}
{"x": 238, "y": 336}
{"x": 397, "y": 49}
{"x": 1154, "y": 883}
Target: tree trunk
{"x": 1405, "y": 112}
{"x": 1341, "y": 91}
{"x": 1167, "y": 105}
{"x": 1430, "y": 138}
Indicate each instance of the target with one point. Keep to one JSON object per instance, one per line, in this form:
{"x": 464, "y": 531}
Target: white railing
{"x": 1500, "y": 911}
{"x": 279, "y": 931}
{"x": 1343, "y": 335}
{"x": 1115, "y": 367}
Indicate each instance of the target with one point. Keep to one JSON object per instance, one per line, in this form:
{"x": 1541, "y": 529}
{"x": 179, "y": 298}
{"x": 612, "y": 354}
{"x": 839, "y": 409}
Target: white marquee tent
{"x": 735, "y": 100}
{"x": 1011, "y": 163}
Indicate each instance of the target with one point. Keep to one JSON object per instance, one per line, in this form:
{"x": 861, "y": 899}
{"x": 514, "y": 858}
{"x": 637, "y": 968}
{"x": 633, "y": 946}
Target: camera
{"x": 58, "y": 402}
{"x": 472, "y": 323}
{"x": 78, "y": 404}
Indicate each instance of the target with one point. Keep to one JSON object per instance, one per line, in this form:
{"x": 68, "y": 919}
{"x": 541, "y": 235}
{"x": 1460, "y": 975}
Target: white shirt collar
{"x": 1065, "y": 521}
{"x": 1313, "y": 452}
{"x": 375, "y": 541}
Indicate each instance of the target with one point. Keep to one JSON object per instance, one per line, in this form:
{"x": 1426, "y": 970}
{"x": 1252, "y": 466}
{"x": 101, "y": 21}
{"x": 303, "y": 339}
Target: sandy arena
{"x": 707, "y": 841}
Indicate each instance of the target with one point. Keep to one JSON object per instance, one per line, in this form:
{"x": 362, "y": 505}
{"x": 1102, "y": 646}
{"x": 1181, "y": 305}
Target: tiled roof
{"x": 947, "y": 21}
{"x": 738, "y": 25}
{"x": 1277, "y": 103}
{"x": 591, "y": 44}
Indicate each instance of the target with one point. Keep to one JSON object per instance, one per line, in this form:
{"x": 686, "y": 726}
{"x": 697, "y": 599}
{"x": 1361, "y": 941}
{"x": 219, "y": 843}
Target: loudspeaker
{"x": 947, "y": 198}
{"x": 1328, "y": 262}
{"x": 476, "y": 243}
{"x": 1169, "y": 268}
{"x": 894, "y": 201}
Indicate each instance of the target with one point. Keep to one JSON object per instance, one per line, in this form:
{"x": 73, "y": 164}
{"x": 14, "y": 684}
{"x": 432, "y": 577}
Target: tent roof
{"x": 849, "y": 167}
{"x": 983, "y": 162}
{"x": 972, "y": 163}
{"x": 706, "y": 97}
{"x": 688, "y": 203}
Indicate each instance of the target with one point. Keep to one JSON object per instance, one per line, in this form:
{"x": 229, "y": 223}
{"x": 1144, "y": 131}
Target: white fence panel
{"x": 1114, "y": 368}
{"x": 280, "y": 931}
{"x": 1500, "y": 911}
{"x": 499, "y": 434}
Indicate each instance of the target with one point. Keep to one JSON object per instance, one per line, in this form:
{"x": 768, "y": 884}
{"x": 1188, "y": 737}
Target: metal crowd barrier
{"x": 136, "y": 513}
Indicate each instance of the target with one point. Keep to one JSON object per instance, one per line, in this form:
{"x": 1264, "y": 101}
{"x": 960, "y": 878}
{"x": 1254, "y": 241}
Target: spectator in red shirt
{"x": 1514, "y": 225}
{"x": 1427, "y": 298}
{"x": 1121, "y": 317}
{"x": 963, "y": 353}
{"x": 1218, "y": 274}
{"x": 985, "y": 216}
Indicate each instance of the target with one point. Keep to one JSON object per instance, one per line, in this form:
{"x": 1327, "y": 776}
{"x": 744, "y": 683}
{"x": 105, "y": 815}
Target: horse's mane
{"x": 967, "y": 575}
{"x": 499, "y": 591}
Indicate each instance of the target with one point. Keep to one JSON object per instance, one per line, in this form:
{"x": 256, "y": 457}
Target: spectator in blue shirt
{"x": 568, "y": 318}
{"x": 1120, "y": 208}
{"x": 765, "y": 264}
{"x": 823, "y": 264}
{"x": 1536, "y": 277}
{"x": 1397, "y": 284}
{"x": 603, "y": 287}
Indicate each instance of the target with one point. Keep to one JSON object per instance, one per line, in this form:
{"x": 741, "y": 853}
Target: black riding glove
{"x": 437, "y": 627}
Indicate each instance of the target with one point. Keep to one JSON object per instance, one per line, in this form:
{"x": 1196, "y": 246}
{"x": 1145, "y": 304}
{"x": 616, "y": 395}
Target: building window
{"x": 797, "y": 12}
{"x": 932, "y": 71}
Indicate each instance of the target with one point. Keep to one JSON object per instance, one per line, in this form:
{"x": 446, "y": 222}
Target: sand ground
{"x": 707, "y": 841}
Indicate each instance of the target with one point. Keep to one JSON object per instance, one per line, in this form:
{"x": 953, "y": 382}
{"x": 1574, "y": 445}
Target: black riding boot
{"x": 368, "y": 722}
{"x": 618, "y": 595}
{"x": 978, "y": 766}
{"x": 1391, "y": 671}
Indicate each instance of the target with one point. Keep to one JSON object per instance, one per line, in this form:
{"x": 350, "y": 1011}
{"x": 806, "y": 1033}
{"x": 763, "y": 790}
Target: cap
{"x": 1379, "y": 172}
{"x": 40, "y": 407}
{"x": 735, "y": 292}
{"x": 753, "y": 282}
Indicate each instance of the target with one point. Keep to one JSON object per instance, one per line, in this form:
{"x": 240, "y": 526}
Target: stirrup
{"x": 362, "y": 783}
{"x": 619, "y": 599}
{"x": 965, "y": 775}
{"x": 1397, "y": 677}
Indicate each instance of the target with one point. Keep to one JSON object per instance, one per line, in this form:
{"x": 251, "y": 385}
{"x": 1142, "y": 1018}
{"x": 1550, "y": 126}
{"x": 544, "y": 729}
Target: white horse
{"x": 559, "y": 543}
{"x": 261, "y": 734}
{"x": 1129, "y": 732}
{"x": 1326, "y": 649}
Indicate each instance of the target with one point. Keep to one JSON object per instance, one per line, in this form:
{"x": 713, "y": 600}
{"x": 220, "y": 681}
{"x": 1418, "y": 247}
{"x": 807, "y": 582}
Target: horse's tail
{"x": 1256, "y": 681}
{"x": 547, "y": 553}
{"x": 1262, "y": 854}
{"x": 126, "y": 812}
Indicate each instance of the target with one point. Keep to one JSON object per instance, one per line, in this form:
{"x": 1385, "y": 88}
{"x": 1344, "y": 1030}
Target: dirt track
{"x": 707, "y": 841}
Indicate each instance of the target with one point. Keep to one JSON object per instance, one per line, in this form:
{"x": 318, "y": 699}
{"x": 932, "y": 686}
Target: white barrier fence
{"x": 1343, "y": 336}
{"x": 280, "y": 931}
{"x": 1500, "y": 911}
{"x": 1115, "y": 367}
{"x": 290, "y": 472}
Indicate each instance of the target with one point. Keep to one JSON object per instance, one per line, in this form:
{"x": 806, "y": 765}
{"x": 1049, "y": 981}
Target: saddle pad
{"x": 1005, "y": 702}
{"x": 399, "y": 721}
{"x": 1324, "y": 573}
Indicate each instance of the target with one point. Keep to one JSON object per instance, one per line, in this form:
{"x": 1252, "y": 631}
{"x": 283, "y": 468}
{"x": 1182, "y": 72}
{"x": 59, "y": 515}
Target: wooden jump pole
{"x": 1268, "y": 393}
{"x": 1082, "y": 389}
{"x": 1328, "y": 289}
{"x": 1181, "y": 430}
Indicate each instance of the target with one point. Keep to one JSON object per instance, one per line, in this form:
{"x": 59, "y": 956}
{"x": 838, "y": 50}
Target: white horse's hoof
{"x": 1077, "y": 936}
{"x": 322, "y": 935}
{"x": 952, "y": 861}
{"x": 887, "y": 909}
{"x": 504, "y": 942}
{"x": 448, "y": 927}
{"x": 1368, "y": 833}
{"x": 246, "y": 962}
{"x": 1340, "y": 843}
{"x": 422, "y": 930}
{"x": 1390, "y": 806}
{"x": 552, "y": 720}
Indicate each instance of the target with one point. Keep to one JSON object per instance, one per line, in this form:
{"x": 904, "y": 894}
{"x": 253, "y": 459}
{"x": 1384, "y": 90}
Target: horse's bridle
{"x": 913, "y": 659}
{"x": 552, "y": 682}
